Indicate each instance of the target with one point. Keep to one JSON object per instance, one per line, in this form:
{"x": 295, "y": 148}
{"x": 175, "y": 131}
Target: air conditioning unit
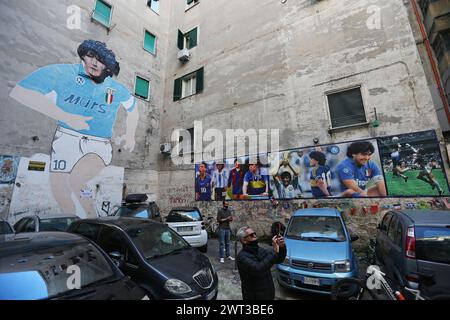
{"x": 165, "y": 148}
{"x": 184, "y": 55}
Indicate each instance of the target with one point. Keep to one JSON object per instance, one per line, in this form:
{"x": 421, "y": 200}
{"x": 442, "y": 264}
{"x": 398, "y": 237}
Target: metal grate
{"x": 309, "y": 265}
{"x": 204, "y": 278}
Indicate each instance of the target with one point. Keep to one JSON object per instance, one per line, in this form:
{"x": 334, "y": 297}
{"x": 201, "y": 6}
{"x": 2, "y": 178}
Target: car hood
{"x": 326, "y": 252}
{"x": 181, "y": 265}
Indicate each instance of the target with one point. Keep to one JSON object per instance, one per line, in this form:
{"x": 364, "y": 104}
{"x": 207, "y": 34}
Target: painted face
{"x": 219, "y": 166}
{"x": 237, "y": 165}
{"x": 313, "y": 162}
{"x": 94, "y": 68}
{"x": 253, "y": 167}
{"x": 361, "y": 159}
{"x": 202, "y": 168}
{"x": 286, "y": 180}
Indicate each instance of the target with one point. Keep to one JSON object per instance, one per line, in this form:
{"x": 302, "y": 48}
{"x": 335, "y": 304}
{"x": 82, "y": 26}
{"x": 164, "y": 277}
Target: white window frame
{"x": 363, "y": 97}
{"x": 192, "y": 80}
{"x": 193, "y": 4}
{"x": 185, "y": 39}
{"x": 156, "y": 42}
{"x": 136, "y": 75}
{"x": 151, "y": 8}
{"x": 110, "y": 16}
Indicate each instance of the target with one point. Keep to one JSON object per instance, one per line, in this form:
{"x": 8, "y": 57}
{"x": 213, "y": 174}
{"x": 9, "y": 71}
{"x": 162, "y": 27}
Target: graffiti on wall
{"x": 406, "y": 165}
{"x": 84, "y": 99}
{"x": 8, "y": 169}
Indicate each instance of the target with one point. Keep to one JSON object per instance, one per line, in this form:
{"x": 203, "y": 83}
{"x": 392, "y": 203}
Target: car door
{"x": 113, "y": 240}
{"x": 396, "y": 253}
{"x": 382, "y": 238}
{"x": 390, "y": 243}
{"x": 28, "y": 225}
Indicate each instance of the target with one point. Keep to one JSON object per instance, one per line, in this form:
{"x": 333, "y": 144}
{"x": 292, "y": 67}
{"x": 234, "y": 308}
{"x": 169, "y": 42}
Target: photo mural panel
{"x": 341, "y": 170}
{"x": 413, "y": 165}
{"x": 405, "y": 165}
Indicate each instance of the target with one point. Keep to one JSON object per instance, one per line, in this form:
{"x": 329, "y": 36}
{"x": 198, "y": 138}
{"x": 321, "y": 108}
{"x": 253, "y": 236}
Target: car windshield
{"x": 433, "y": 244}
{"x": 157, "y": 240}
{"x": 133, "y": 210}
{"x": 184, "y": 216}
{"x": 5, "y": 228}
{"x": 316, "y": 228}
{"x": 52, "y": 271}
{"x": 56, "y": 224}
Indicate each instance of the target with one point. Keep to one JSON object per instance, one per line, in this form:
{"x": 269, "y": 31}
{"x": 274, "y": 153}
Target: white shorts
{"x": 69, "y": 147}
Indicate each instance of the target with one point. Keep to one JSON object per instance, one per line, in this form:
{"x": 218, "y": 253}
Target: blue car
{"x": 319, "y": 251}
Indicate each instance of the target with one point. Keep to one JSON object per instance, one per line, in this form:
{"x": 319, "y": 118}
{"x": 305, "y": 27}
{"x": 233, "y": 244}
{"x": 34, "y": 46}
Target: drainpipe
{"x": 437, "y": 76}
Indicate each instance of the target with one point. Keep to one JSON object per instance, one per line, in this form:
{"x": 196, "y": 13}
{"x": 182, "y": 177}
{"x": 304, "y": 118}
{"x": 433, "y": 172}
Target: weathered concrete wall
{"x": 35, "y": 34}
{"x": 269, "y": 65}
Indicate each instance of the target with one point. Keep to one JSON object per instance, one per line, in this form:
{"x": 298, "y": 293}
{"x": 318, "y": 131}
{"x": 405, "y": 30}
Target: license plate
{"x": 211, "y": 295}
{"x": 182, "y": 229}
{"x": 311, "y": 281}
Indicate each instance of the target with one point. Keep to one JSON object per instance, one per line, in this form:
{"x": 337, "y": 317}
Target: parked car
{"x": 413, "y": 246}
{"x": 136, "y": 205}
{"x": 319, "y": 251}
{"x": 35, "y": 266}
{"x": 57, "y": 222}
{"x": 160, "y": 261}
{"x": 5, "y": 227}
{"x": 188, "y": 222}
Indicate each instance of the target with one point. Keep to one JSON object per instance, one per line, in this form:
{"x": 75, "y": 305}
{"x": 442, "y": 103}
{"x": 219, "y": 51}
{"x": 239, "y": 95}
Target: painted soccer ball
{"x": 395, "y": 139}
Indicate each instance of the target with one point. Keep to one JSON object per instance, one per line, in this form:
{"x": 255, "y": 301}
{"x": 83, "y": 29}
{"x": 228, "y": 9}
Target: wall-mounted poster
{"x": 413, "y": 165}
{"x": 342, "y": 170}
{"x": 241, "y": 178}
{"x": 408, "y": 165}
{"x": 8, "y": 169}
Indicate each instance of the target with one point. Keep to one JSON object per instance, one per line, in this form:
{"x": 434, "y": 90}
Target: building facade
{"x": 249, "y": 65}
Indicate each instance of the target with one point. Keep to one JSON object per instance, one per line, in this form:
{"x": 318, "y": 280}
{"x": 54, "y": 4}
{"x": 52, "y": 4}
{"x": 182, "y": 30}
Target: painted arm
{"x": 44, "y": 104}
{"x": 132, "y": 123}
{"x": 352, "y": 187}
{"x": 323, "y": 187}
{"x": 244, "y": 188}
{"x": 381, "y": 187}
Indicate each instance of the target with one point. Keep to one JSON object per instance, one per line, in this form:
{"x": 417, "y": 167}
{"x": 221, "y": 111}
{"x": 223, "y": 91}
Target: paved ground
{"x": 230, "y": 283}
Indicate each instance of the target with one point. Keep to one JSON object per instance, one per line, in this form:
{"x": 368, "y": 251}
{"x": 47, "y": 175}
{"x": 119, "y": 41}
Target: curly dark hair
{"x": 102, "y": 54}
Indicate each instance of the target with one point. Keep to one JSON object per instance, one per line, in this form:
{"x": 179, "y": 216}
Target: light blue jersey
{"x": 77, "y": 94}
{"x": 348, "y": 170}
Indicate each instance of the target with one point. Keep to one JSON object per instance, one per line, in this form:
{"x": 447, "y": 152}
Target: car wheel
{"x": 203, "y": 249}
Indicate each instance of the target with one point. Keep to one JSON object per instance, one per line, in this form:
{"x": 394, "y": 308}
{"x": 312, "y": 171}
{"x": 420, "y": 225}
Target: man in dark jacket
{"x": 254, "y": 264}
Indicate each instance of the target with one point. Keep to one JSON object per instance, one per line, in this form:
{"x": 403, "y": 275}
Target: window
{"x": 392, "y": 232}
{"x": 188, "y": 85}
{"x": 90, "y": 231}
{"x": 149, "y": 42}
{"x": 385, "y": 224}
{"x": 154, "y": 5}
{"x": 187, "y": 40}
{"x": 102, "y": 13}
{"x": 346, "y": 108}
{"x": 441, "y": 44}
{"x": 142, "y": 88}
{"x": 191, "y": 3}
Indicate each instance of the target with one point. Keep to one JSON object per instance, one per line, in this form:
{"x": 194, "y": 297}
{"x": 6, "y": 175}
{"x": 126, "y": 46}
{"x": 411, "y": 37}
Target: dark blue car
{"x": 319, "y": 251}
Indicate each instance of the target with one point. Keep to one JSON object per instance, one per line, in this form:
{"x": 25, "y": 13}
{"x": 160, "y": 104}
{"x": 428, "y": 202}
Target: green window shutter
{"x": 192, "y": 38}
{"x": 177, "y": 89}
{"x": 180, "y": 40}
{"x": 102, "y": 12}
{"x": 142, "y": 88}
{"x": 199, "y": 84}
{"x": 190, "y": 1}
{"x": 150, "y": 42}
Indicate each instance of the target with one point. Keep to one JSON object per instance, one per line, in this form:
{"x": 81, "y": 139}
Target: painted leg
{"x": 85, "y": 170}
{"x": 62, "y": 192}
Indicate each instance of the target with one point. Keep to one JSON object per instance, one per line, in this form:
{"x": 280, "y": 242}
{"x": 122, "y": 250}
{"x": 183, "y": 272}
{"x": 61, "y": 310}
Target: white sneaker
{"x": 222, "y": 260}
{"x": 231, "y": 258}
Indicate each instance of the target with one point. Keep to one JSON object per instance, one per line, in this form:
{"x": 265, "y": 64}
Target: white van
{"x": 188, "y": 223}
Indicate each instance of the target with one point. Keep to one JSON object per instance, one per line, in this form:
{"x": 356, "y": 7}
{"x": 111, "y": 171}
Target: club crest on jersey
{"x": 80, "y": 80}
{"x": 109, "y": 97}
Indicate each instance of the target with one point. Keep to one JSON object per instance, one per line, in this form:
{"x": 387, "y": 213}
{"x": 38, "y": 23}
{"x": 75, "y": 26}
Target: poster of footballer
{"x": 413, "y": 165}
{"x": 345, "y": 170}
{"x": 241, "y": 178}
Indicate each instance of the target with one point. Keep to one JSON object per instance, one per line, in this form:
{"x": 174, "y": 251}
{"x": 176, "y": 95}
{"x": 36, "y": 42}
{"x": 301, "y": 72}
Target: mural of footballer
{"x": 84, "y": 99}
{"x": 320, "y": 178}
{"x": 357, "y": 170}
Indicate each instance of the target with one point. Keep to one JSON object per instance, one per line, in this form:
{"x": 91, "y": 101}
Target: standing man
{"x": 219, "y": 182}
{"x": 224, "y": 218}
{"x": 203, "y": 184}
{"x": 254, "y": 264}
{"x": 358, "y": 170}
{"x": 84, "y": 99}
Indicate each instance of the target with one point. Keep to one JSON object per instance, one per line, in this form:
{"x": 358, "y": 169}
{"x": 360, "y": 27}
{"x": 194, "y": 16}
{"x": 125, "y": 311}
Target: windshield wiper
{"x": 323, "y": 238}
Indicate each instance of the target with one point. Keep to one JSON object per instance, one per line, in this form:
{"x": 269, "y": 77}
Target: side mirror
{"x": 354, "y": 237}
{"x": 117, "y": 258}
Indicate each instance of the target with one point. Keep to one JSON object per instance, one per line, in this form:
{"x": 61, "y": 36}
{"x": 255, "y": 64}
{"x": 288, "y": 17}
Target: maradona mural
{"x": 84, "y": 99}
